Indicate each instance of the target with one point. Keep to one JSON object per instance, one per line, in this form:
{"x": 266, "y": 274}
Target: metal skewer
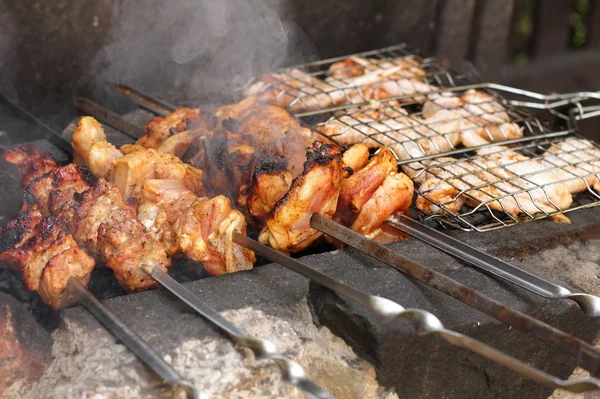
{"x": 110, "y": 118}
{"x": 589, "y": 304}
{"x": 131, "y": 340}
{"x": 291, "y": 371}
{"x": 145, "y": 101}
{"x": 262, "y": 348}
{"x": 587, "y": 356}
{"x": 424, "y": 322}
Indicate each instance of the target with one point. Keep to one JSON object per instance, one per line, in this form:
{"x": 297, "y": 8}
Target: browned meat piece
{"x": 316, "y": 189}
{"x": 201, "y": 228}
{"x": 46, "y": 255}
{"x": 351, "y": 81}
{"x": 96, "y": 214}
{"x": 394, "y": 195}
{"x": 270, "y": 182}
{"x": 356, "y": 157}
{"x": 358, "y": 188}
{"x": 180, "y": 120}
{"x": 133, "y": 164}
{"x": 269, "y": 128}
{"x": 133, "y": 168}
{"x": 30, "y": 163}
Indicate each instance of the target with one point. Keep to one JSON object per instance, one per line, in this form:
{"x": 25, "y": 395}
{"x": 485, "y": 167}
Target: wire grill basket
{"x": 338, "y": 82}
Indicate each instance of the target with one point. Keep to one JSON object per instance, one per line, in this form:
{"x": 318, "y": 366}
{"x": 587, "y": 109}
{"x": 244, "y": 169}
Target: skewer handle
{"x": 587, "y": 355}
{"x": 424, "y": 322}
{"x": 589, "y": 304}
{"x": 130, "y": 339}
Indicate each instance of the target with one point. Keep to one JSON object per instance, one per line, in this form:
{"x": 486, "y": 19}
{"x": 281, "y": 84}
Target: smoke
{"x": 196, "y": 51}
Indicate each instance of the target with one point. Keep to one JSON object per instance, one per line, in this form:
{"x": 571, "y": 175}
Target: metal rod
{"x": 589, "y": 304}
{"x": 423, "y": 321}
{"x": 262, "y": 348}
{"x": 550, "y": 101}
{"x": 131, "y": 340}
{"x": 146, "y": 101}
{"x": 107, "y": 116}
{"x": 587, "y": 356}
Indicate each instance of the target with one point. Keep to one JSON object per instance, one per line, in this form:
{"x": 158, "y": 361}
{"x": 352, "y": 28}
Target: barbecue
{"x": 314, "y": 157}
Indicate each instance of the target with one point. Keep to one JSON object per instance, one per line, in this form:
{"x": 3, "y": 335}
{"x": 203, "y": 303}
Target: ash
{"x": 89, "y": 363}
{"x": 576, "y": 265}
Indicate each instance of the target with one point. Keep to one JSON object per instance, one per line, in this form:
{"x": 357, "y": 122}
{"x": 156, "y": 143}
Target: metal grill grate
{"x": 325, "y": 85}
{"x": 500, "y": 186}
{"x": 418, "y": 131}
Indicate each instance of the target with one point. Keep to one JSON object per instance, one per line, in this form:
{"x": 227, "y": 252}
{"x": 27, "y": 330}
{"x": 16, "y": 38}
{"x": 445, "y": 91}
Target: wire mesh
{"x": 438, "y": 126}
{"x": 354, "y": 79}
{"x": 500, "y": 186}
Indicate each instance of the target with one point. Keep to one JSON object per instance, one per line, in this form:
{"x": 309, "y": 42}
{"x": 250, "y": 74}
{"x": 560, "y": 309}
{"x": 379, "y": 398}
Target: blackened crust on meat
{"x": 29, "y": 198}
{"x": 12, "y": 233}
{"x": 320, "y": 153}
{"x": 270, "y": 164}
{"x": 88, "y": 176}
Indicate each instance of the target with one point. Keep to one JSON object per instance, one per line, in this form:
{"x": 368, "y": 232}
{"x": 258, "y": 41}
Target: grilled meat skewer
{"x": 165, "y": 189}
{"x": 45, "y": 254}
{"x": 96, "y": 214}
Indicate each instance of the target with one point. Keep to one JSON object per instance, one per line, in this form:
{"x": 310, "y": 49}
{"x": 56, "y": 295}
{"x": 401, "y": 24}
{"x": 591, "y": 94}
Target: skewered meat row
{"x": 94, "y": 211}
{"x": 131, "y": 165}
{"x": 166, "y": 190}
{"x": 256, "y": 157}
{"x": 351, "y": 81}
{"x": 45, "y": 254}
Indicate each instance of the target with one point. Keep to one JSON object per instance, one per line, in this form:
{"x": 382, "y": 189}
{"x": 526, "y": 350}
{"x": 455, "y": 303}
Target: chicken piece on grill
{"x": 357, "y": 189}
{"x": 270, "y": 181}
{"x": 94, "y": 211}
{"x": 443, "y": 183}
{"x": 133, "y": 164}
{"x": 91, "y": 147}
{"x": 577, "y": 163}
{"x": 201, "y": 228}
{"x": 181, "y": 120}
{"x": 481, "y": 112}
{"x": 498, "y": 178}
{"x": 372, "y": 194}
{"x": 269, "y": 128}
{"x": 316, "y": 189}
{"x": 129, "y": 171}
{"x": 394, "y": 195}
{"x": 357, "y": 66}
{"x": 46, "y": 256}
{"x": 350, "y": 82}
{"x": 356, "y": 157}
{"x": 520, "y": 172}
